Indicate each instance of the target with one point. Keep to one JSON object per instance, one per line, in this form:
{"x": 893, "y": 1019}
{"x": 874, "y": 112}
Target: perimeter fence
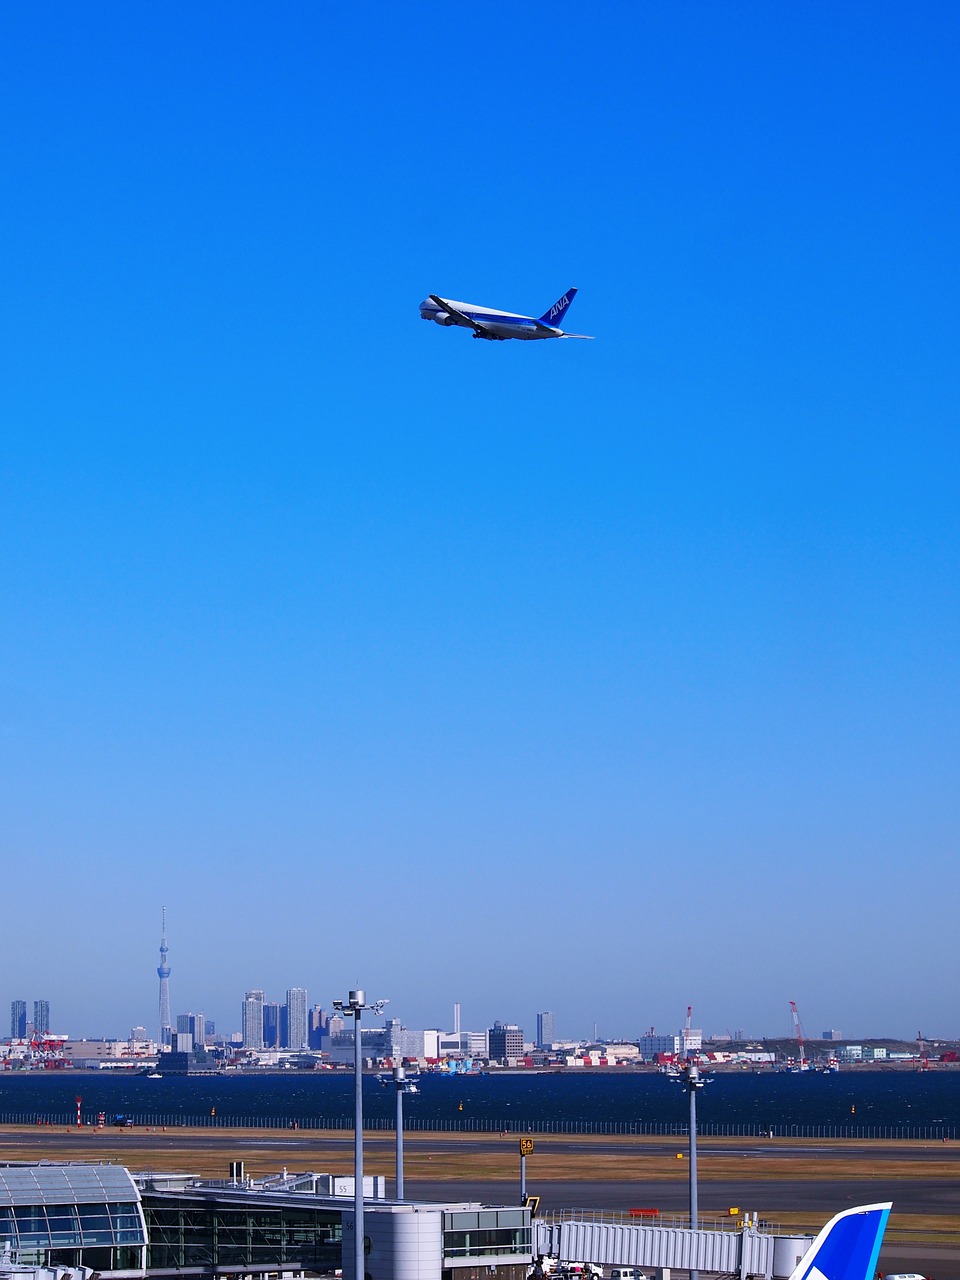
{"x": 464, "y": 1124}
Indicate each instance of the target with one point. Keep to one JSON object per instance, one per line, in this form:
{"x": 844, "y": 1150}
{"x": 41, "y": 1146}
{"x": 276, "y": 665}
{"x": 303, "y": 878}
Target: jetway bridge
{"x": 617, "y": 1240}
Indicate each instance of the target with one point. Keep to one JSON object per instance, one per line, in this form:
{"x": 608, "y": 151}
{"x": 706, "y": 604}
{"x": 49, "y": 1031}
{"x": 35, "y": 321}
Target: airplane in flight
{"x": 496, "y": 326}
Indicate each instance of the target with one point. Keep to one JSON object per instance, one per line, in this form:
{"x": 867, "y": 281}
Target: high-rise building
{"x": 504, "y": 1041}
{"x": 271, "y": 1025}
{"x": 546, "y": 1030}
{"x": 163, "y": 973}
{"x": 253, "y": 1020}
{"x": 317, "y": 1026}
{"x": 193, "y": 1024}
{"x": 297, "y": 1030}
{"x": 41, "y": 1017}
{"x": 18, "y": 1019}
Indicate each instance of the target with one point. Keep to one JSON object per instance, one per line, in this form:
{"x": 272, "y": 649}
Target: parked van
{"x": 626, "y": 1273}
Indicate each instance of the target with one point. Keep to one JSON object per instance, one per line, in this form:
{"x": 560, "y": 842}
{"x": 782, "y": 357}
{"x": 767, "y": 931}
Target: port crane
{"x": 798, "y": 1032}
{"x": 923, "y": 1054}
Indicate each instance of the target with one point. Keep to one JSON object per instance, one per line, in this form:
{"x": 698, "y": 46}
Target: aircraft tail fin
{"x": 848, "y": 1246}
{"x": 554, "y": 317}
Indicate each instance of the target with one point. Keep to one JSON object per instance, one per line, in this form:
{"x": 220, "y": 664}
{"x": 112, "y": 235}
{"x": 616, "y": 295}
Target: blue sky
{"x": 597, "y": 677}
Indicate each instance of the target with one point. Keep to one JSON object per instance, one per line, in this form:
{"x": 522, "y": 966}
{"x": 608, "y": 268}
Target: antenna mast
{"x": 163, "y": 973}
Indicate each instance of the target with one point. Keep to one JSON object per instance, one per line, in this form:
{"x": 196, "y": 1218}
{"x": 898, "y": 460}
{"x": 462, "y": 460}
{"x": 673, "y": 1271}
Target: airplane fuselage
{"x": 497, "y": 325}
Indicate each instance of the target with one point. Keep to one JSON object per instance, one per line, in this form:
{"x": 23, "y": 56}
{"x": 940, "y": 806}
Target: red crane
{"x": 798, "y": 1031}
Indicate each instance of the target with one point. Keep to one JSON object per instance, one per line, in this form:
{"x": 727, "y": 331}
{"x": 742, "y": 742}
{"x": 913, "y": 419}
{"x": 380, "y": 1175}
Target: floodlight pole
{"x": 352, "y": 1007}
{"x": 402, "y": 1086}
{"x": 693, "y": 1083}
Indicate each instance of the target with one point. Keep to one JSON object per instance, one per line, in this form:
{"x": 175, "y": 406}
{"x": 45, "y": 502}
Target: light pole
{"x": 693, "y": 1082}
{"x": 402, "y": 1086}
{"x": 352, "y": 1007}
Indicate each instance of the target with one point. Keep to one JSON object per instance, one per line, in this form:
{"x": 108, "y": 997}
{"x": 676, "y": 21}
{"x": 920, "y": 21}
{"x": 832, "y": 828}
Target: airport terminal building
{"x": 129, "y": 1227}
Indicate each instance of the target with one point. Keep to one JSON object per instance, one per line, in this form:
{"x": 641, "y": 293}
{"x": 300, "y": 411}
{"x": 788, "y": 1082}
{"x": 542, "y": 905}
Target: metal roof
{"x": 65, "y": 1184}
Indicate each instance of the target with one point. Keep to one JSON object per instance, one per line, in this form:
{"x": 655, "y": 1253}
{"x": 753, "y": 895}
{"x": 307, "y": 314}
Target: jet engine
{"x": 444, "y": 318}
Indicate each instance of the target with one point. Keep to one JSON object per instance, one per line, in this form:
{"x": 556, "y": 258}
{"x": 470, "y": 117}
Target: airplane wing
{"x": 442, "y": 302}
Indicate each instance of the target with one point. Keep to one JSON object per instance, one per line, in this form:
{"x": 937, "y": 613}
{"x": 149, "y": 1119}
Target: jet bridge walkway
{"x": 613, "y": 1240}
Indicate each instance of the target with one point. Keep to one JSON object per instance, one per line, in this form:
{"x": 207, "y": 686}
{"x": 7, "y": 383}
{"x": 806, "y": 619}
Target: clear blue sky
{"x": 595, "y": 677}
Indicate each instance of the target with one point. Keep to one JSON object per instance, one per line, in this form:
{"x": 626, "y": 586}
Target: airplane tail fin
{"x": 554, "y": 317}
{"x": 848, "y": 1246}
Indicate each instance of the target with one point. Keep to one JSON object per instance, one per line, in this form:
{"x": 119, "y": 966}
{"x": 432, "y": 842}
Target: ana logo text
{"x": 558, "y": 306}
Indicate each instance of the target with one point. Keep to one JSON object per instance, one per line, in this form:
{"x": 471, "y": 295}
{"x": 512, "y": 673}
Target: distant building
{"x": 253, "y": 1020}
{"x": 41, "y": 1017}
{"x": 504, "y": 1040}
{"x": 193, "y": 1025}
{"x": 373, "y": 1044}
{"x": 18, "y": 1019}
{"x": 651, "y": 1046}
{"x": 831, "y": 1035}
{"x": 271, "y": 1025}
{"x": 316, "y": 1027}
{"x": 95, "y": 1051}
{"x": 297, "y": 1036}
{"x": 546, "y": 1030}
{"x": 691, "y": 1041}
{"x": 455, "y": 1044}
{"x": 401, "y": 1043}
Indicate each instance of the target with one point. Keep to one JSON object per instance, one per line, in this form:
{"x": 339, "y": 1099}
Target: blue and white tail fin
{"x": 554, "y": 317}
{"x": 848, "y": 1246}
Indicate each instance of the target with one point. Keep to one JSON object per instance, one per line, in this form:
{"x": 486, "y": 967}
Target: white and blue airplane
{"x": 848, "y": 1246}
{"x": 495, "y": 326}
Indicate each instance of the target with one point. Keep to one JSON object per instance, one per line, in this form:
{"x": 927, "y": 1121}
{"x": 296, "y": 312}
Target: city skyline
{"x": 257, "y": 1012}
{"x": 599, "y": 677}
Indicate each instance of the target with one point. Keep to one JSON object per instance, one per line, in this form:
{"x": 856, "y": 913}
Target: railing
{"x": 428, "y": 1124}
{"x": 624, "y": 1218}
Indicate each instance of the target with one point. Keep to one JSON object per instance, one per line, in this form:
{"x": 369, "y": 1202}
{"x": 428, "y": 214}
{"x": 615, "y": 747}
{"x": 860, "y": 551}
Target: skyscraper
{"x": 18, "y": 1019}
{"x": 546, "y": 1030}
{"x": 41, "y": 1017}
{"x": 193, "y": 1024}
{"x": 253, "y": 1020}
{"x": 163, "y": 973}
{"x": 297, "y": 1031}
{"x": 317, "y": 1027}
{"x": 271, "y": 1025}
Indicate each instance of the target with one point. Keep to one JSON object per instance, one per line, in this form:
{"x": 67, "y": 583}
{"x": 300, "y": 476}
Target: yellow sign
{"x": 526, "y": 1146}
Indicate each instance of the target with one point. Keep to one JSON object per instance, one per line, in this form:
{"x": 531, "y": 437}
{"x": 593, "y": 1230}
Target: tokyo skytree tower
{"x": 163, "y": 973}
